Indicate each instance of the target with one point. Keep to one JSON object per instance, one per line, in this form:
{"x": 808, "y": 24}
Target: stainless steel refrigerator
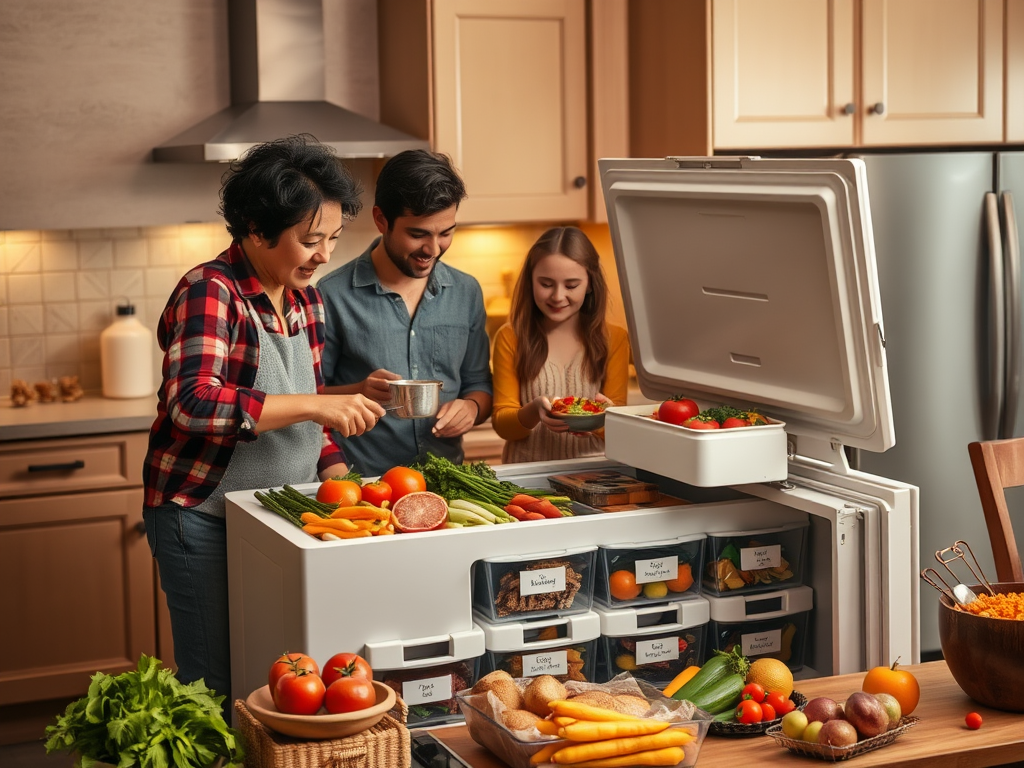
{"x": 948, "y": 256}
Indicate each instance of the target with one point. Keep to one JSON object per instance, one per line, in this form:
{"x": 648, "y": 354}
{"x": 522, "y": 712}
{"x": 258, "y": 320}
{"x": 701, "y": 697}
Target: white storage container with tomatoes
{"x": 747, "y": 284}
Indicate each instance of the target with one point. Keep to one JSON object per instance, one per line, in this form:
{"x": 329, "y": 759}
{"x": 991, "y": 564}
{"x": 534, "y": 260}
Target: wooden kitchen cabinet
{"x": 768, "y": 74}
{"x": 501, "y": 87}
{"x": 79, "y": 590}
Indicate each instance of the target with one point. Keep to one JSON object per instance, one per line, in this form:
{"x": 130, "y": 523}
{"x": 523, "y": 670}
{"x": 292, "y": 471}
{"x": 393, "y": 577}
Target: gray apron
{"x": 278, "y": 456}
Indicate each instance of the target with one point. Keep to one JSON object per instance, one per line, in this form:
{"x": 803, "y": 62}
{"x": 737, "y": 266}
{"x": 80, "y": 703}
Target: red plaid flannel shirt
{"x": 206, "y": 403}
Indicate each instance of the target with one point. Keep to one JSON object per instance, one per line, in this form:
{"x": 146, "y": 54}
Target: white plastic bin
{"x": 767, "y": 625}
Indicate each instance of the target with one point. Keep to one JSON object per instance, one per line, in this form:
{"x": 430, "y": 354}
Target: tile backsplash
{"x": 59, "y": 288}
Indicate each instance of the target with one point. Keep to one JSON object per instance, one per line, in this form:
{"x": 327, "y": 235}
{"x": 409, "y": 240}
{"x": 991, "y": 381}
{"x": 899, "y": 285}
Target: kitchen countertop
{"x": 939, "y": 737}
{"x": 93, "y": 414}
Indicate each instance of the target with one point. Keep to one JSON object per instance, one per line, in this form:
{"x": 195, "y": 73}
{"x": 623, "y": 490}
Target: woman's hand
{"x": 351, "y": 415}
{"x": 599, "y": 398}
{"x": 543, "y": 406}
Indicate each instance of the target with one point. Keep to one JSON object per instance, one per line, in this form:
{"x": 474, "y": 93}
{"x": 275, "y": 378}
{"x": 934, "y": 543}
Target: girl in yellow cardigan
{"x": 556, "y": 344}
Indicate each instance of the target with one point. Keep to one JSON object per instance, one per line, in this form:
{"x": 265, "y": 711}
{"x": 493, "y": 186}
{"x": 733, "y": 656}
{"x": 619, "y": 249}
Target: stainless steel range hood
{"x": 277, "y": 61}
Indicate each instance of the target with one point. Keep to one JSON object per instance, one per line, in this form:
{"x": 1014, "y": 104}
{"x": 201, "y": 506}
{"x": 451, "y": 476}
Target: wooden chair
{"x": 999, "y": 464}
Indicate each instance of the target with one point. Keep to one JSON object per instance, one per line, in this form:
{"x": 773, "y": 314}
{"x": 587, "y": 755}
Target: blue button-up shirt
{"x": 368, "y": 327}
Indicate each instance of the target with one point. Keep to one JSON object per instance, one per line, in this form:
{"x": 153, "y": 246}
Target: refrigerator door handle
{"x": 1011, "y": 250}
{"x": 996, "y": 320}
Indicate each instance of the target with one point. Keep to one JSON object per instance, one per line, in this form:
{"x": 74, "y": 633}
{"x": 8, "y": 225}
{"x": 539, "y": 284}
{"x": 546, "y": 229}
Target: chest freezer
{"x": 746, "y": 282}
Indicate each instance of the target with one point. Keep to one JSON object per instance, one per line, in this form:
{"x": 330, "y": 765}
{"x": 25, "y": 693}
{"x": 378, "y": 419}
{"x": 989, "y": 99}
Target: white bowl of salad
{"x": 580, "y": 413}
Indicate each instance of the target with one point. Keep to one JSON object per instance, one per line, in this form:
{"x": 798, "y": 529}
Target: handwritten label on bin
{"x": 546, "y": 663}
{"x": 542, "y": 580}
{"x": 658, "y": 569}
{"x": 760, "y": 643}
{"x": 755, "y": 558}
{"x": 662, "y": 649}
{"x": 427, "y": 690}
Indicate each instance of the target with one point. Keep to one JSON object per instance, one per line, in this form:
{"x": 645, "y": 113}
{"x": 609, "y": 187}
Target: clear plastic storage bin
{"x": 549, "y": 584}
{"x": 649, "y": 572}
{"x": 653, "y": 643}
{"x": 564, "y": 648}
{"x": 769, "y": 625}
{"x": 429, "y": 691}
{"x": 742, "y": 562}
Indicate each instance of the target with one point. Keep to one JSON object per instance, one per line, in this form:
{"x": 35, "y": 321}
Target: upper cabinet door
{"x": 782, "y": 73}
{"x": 510, "y": 106}
{"x": 932, "y": 71}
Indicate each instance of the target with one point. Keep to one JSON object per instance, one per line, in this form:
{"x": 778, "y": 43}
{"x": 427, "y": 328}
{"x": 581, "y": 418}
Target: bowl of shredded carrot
{"x": 983, "y": 644}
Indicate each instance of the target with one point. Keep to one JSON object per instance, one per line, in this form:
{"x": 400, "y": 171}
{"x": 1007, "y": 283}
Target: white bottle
{"x": 126, "y": 356}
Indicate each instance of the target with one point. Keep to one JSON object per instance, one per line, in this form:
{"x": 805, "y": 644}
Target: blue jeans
{"x": 190, "y": 548}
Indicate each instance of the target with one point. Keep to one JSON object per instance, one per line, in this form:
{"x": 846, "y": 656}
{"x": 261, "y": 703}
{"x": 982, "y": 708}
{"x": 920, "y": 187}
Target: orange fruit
{"x": 623, "y": 586}
{"x": 772, "y": 675}
{"x": 683, "y": 580}
{"x": 898, "y": 683}
{"x": 404, "y": 480}
{"x": 344, "y": 493}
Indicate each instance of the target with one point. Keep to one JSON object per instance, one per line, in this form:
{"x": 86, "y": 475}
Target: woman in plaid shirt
{"x": 240, "y": 405}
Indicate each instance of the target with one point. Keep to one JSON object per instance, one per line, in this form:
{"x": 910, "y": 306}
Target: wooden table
{"x": 941, "y": 738}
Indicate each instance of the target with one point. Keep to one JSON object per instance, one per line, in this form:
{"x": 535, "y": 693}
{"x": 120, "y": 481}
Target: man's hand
{"x": 456, "y": 417}
{"x": 375, "y": 386}
{"x": 351, "y": 415}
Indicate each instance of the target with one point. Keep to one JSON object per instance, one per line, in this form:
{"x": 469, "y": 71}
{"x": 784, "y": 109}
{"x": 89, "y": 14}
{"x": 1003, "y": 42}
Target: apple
{"x": 812, "y": 730}
{"x": 794, "y": 723}
{"x": 892, "y": 708}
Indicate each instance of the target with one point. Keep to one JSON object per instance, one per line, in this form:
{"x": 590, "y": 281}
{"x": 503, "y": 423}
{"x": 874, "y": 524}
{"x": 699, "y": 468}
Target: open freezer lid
{"x": 752, "y": 282}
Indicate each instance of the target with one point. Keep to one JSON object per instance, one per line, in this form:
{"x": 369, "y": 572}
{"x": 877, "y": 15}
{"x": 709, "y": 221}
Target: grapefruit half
{"x": 419, "y": 511}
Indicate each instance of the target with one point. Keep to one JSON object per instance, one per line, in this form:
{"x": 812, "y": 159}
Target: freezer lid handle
{"x": 997, "y": 320}
{"x": 1011, "y": 248}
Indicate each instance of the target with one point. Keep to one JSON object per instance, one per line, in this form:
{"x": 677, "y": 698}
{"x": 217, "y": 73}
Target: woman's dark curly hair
{"x": 275, "y": 185}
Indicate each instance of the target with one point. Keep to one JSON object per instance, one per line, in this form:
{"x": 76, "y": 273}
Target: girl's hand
{"x": 351, "y": 415}
{"x": 543, "y": 406}
{"x": 599, "y": 398}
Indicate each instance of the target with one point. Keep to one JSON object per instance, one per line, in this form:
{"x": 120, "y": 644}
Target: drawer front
{"x": 68, "y": 465}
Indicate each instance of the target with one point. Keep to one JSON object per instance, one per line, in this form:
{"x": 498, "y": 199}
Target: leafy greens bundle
{"x": 145, "y": 718}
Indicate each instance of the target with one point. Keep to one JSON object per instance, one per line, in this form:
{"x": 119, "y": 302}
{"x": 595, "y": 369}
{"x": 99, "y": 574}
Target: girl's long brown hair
{"x": 527, "y": 319}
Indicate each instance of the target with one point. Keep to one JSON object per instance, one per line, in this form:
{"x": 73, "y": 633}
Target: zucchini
{"x": 722, "y": 696}
{"x": 726, "y": 716}
{"x": 716, "y": 669}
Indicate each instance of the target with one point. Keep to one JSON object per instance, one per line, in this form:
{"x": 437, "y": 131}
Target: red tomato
{"x": 290, "y": 662}
{"x": 346, "y": 665}
{"x": 973, "y": 721}
{"x": 767, "y": 713}
{"x": 775, "y": 700}
{"x": 403, "y": 481}
{"x": 748, "y": 712}
{"x": 677, "y": 410}
{"x": 334, "y": 490}
{"x": 785, "y": 708}
{"x": 753, "y": 691}
{"x": 350, "y": 694}
{"x": 698, "y": 424}
{"x": 732, "y": 422}
{"x": 299, "y": 694}
{"x": 377, "y": 493}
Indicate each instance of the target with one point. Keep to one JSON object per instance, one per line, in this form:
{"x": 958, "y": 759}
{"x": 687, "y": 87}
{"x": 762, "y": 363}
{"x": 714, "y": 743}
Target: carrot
{"x": 578, "y": 753}
{"x": 317, "y": 530}
{"x": 598, "y": 731}
{"x": 516, "y": 511}
{"x": 547, "y": 727}
{"x": 680, "y": 680}
{"x": 325, "y": 522}
{"x": 544, "y": 754}
{"x": 563, "y": 721}
{"x": 360, "y": 513}
{"x": 667, "y": 756}
{"x": 523, "y": 500}
{"x": 546, "y": 508}
{"x": 534, "y": 516}
{"x": 582, "y": 711}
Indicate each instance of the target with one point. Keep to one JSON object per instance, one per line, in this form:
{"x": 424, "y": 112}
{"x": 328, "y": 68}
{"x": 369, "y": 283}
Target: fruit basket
{"x": 835, "y": 754}
{"x": 742, "y": 730}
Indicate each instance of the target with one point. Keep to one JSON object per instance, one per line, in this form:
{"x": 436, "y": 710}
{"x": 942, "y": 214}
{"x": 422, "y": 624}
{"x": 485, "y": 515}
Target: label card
{"x": 755, "y": 558}
{"x": 427, "y": 690}
{"x": 546, "y": 663}
{"x": 662, "y": 649}
{"x": 658, "y": 569}
{"x": 760, "y": 643}
{"x": 542, "y": 580}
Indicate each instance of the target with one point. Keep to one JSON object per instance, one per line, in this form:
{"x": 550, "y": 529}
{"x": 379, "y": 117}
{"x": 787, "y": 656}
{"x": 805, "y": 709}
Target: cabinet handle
{"x": 77, "y": 464}
{"x": 850, "y": 108}
{"x": 877, "y": 109}
{"x": 579, "y": 182}
{"x": 140, "y": 527}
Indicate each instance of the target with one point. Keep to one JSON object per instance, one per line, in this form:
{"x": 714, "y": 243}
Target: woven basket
{"x": 385, "y": 745}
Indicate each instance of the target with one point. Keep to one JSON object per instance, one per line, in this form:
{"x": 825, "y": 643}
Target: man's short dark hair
{"x": 275, "y": 185}
{"x": 418, "y": 183}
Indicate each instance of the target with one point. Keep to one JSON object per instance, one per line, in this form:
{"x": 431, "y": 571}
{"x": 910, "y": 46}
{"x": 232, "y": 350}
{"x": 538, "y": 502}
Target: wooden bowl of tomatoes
{"x": 322, "y": 725}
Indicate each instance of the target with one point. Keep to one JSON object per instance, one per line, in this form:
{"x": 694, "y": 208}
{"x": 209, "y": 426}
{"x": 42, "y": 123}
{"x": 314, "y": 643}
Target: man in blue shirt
{"x": 396, "y": 312}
